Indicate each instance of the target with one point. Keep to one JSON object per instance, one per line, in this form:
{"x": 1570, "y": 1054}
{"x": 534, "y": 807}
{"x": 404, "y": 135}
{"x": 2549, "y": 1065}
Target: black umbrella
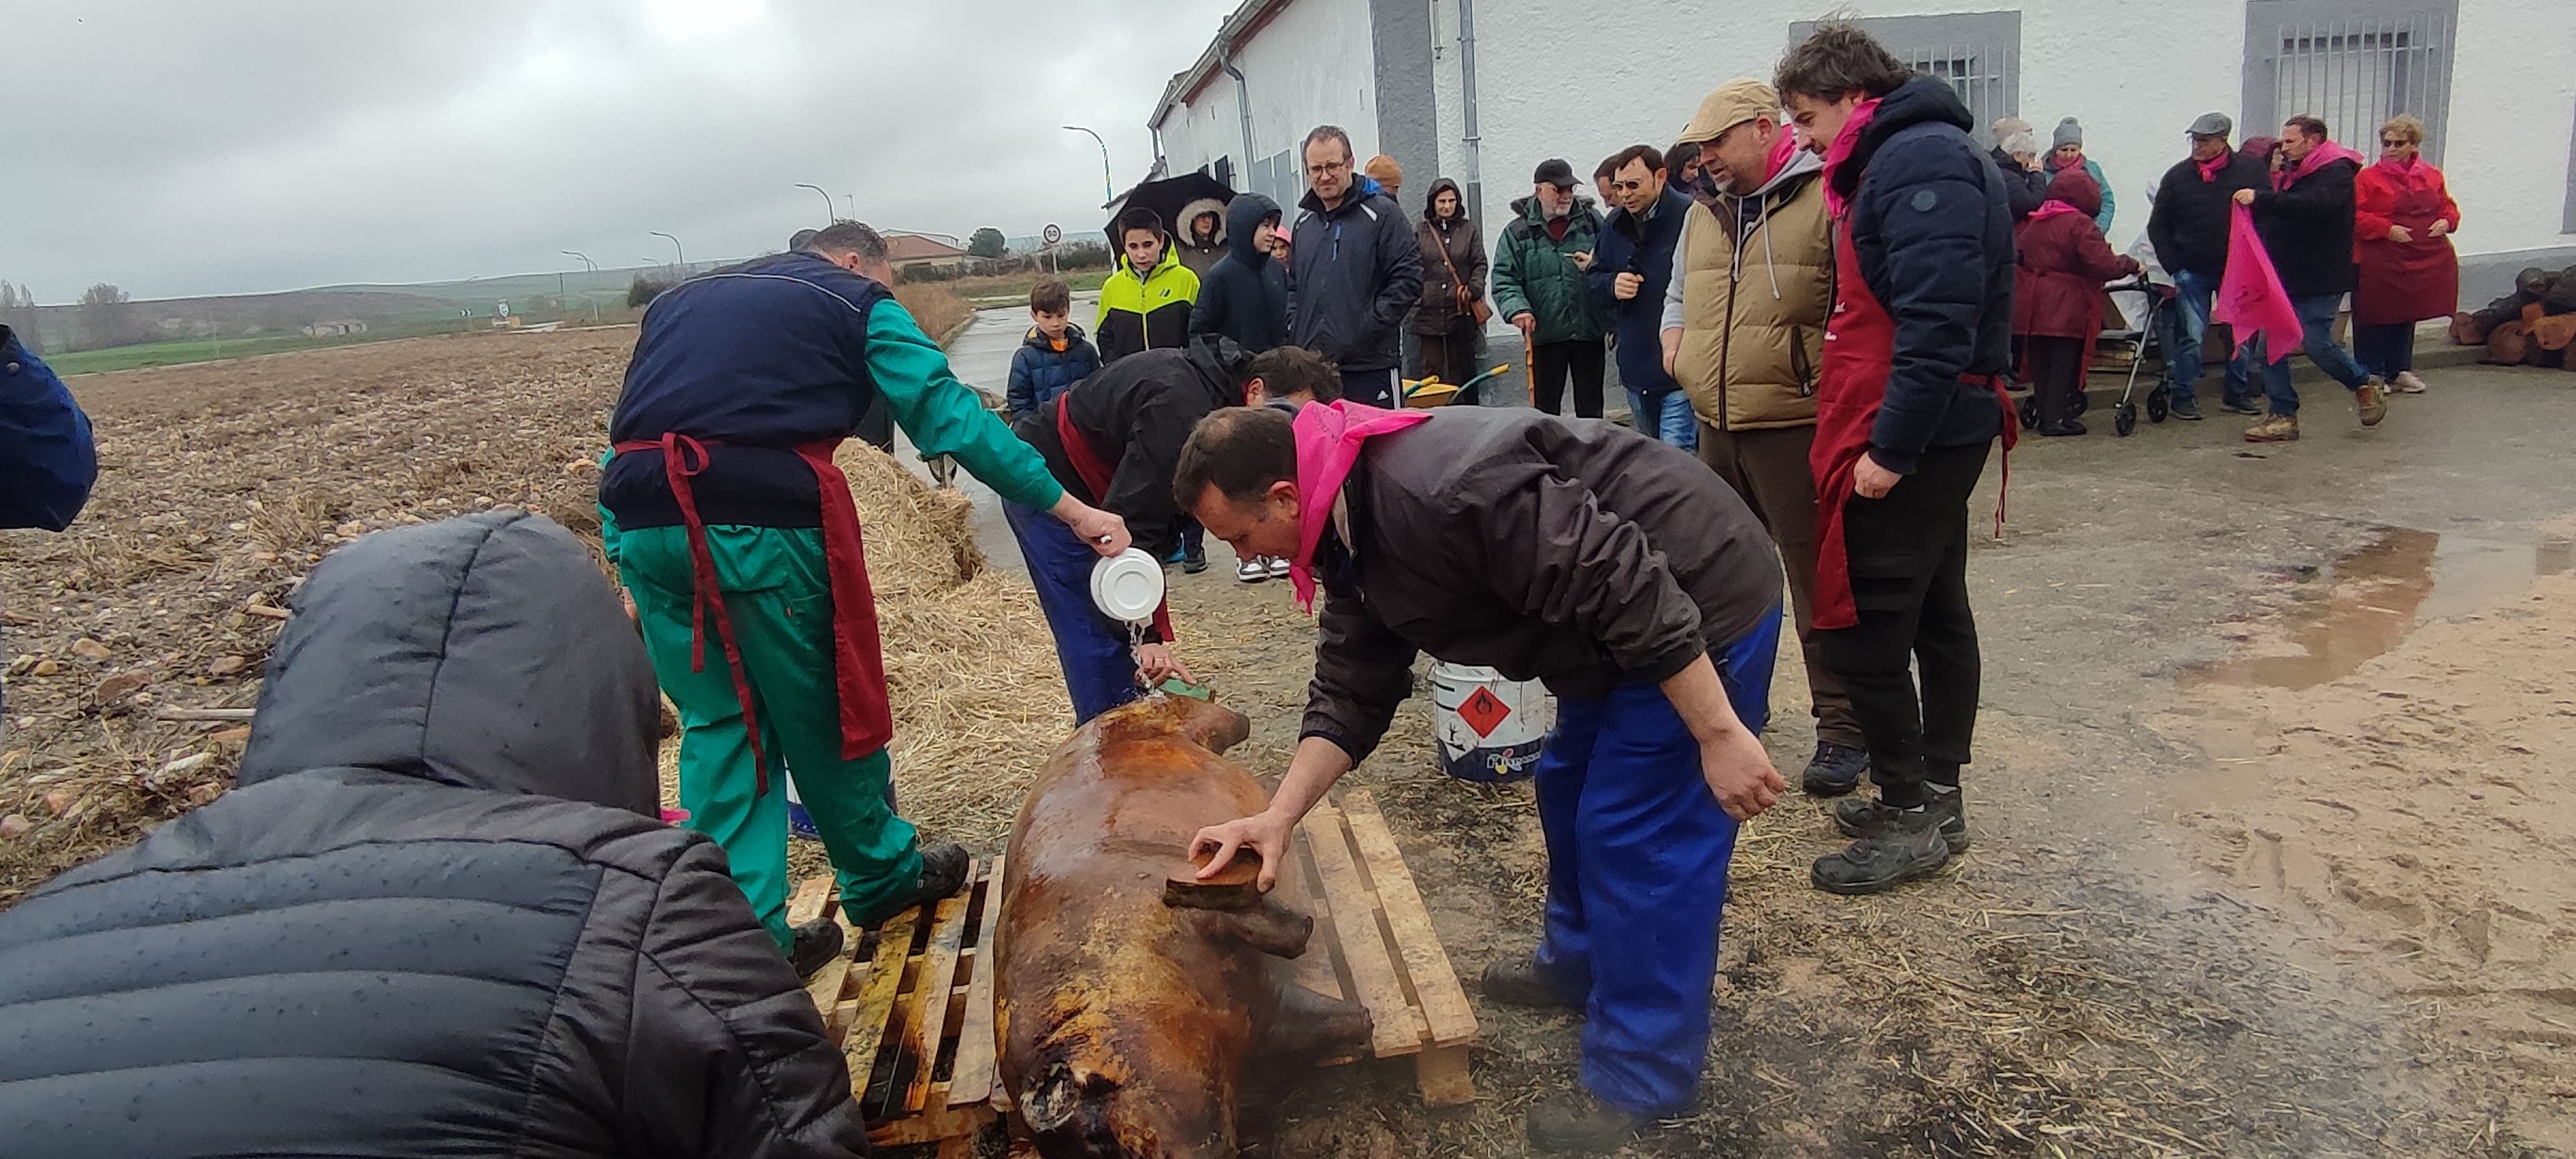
{"x": 1167, "y": 198}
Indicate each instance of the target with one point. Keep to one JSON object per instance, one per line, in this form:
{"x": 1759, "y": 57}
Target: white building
{"x": 1482, "y": 92}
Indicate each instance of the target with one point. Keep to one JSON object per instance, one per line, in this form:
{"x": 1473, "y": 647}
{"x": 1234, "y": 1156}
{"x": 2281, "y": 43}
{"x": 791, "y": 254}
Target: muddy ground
{"x": 2270, "y": 861}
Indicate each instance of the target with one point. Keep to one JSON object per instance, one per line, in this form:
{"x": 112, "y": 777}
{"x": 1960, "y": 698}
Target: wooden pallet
{"x": 915, "y": 1020}
{"x": 1382, "y": 951}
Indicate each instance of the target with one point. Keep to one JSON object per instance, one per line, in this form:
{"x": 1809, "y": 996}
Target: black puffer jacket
{"x": 1932, "y": 227}
{"x": 2307, "y": 228}
{"x": 438, "y": 917}
{"x": 1135, "y": 414}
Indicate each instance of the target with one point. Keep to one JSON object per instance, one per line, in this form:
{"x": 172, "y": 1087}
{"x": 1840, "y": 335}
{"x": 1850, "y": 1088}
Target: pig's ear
{"x": 1210, "y": 725}
{"x": 1268, "y": 926}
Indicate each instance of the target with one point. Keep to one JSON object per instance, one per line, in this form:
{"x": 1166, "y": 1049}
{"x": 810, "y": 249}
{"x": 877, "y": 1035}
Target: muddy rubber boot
{"x": 1907, "y": 846}
{"x": 1863, "y": 817}
{"x": 1580, "y": 1123}
{"x": 817, "y": 943}
{"x": 1519, "y": 982}
{"x": 943, "y": 872}
{"x": 1834, "y": 770}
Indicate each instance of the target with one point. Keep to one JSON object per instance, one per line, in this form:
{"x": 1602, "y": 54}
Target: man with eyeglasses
{"x": 1631, "y": 271}
{"x": 1354, "y": 269}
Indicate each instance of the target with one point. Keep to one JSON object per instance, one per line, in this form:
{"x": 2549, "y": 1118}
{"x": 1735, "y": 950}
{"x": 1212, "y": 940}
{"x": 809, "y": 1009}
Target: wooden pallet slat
{"x": 876, "y": 1001}
{"x": 1444, "y": 1004}
{"x": 927, "y": 1022}
{"x": 807, "y": 903}
{"x": 1397, "y": 1027}
{"x": 973, "y": 1076}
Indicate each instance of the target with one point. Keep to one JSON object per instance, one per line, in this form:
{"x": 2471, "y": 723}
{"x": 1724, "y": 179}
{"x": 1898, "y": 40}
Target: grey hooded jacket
{"x": 439, "y": 916}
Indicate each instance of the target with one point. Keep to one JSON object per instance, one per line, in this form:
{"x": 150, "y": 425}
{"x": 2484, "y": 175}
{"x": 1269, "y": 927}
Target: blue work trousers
{"x": 1637, "y": 850}
{"x": 1099, "y": 672}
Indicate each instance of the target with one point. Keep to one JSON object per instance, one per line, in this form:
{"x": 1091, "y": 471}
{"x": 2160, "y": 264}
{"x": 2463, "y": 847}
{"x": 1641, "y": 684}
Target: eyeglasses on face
{"x": 2394, "y": 142}
{"x": 1323, "y": 167}
{"x": 1622, "y": 185}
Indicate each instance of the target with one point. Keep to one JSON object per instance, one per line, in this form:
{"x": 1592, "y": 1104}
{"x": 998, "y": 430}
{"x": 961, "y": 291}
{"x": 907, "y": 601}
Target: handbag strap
{"x": 1458, "y": 284}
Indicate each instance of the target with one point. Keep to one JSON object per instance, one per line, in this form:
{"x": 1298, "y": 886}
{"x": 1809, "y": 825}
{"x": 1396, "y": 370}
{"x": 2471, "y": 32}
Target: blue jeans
{"x": 2190, "y": 315}
{"x": 1667, "y": 416}
{"x": 1099, "y": 674}
{"x": 2316, "y": 323}
{"x": 1637, "y": 851}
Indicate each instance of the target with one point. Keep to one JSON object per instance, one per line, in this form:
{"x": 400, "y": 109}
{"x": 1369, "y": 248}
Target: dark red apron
{"x": 858, "y": 667}
{"x": 2407, "y": 282}
{"x": 1860, "y": 351}
{"x": 1096, "y": 473}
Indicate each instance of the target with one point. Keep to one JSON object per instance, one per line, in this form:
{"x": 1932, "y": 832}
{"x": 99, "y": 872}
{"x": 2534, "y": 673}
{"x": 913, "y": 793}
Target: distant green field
{"x": 208, "y": 350}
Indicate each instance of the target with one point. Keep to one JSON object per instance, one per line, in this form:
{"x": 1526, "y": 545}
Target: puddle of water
{"x": 2379, "y": 594}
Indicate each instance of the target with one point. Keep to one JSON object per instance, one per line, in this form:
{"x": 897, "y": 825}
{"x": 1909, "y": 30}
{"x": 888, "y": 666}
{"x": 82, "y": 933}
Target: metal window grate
{"x": 1979, "y": 53}
{"x": 2353, "y": 65}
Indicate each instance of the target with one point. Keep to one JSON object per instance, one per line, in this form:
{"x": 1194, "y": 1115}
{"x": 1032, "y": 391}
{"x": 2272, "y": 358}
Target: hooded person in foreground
{"x": 438, "y": 915}
{"x": 1579, "y": 552}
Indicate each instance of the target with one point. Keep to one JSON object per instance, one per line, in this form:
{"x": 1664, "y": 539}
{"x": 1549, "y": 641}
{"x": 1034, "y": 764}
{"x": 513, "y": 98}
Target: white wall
{"x": 1313, "y": 64}
{"x": 2513, "y": 116}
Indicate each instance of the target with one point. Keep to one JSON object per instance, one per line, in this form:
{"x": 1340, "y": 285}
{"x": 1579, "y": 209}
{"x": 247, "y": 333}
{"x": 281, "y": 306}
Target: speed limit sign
{"x": 1053, "y": 233}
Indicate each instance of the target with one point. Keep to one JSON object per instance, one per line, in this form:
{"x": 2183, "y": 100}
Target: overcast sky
{"x": 185, "y": 147}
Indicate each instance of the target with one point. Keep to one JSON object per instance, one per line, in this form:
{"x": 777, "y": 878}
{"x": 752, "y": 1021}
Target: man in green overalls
{"x": 739, "y": 542}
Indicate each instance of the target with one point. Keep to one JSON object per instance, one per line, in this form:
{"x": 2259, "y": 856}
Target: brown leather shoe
{"x": 2371, "y": 399}
{"x": 2276, "y": 429}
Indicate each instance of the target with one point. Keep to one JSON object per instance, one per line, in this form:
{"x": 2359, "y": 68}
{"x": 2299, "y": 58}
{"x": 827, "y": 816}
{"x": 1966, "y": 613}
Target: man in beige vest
{"x": 1743, "y": 333}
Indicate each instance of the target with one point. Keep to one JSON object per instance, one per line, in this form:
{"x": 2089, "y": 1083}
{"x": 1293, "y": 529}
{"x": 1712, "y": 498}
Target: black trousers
{"x": 2056, "y": 373}
{"x": 1551, "y": 362}
{"x": 1909, "y": 577}
{"x": 1450, "y": 354}
{"x": 1375, "y": 387}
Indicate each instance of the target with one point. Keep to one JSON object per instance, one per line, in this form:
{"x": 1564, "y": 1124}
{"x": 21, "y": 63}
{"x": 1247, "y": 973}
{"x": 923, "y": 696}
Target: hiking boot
{"x": 943, "y": 872}
{"x": 1251, "y": 571}
{"x": 1194, "y": 561}
{"x": 1834, "y": 770}
{"x": 816, "y": 943}
{"x": 2407, "y": 383}
{"x": 1520, "y": 982}
{"x": 2240, "y": 406}
{"x": 2184, "y": 407}
{"x": 1865, "y": 817}
{"x": 1908, "y": 845}
{"x": 2371, "y": 399}
{"x": 2276, "y": 429}
{"x": 1578, "y": 1121}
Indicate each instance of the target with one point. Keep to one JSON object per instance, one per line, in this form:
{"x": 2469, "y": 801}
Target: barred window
{"x": 1979, "y": 53}
{"x": 2352, "y": 64}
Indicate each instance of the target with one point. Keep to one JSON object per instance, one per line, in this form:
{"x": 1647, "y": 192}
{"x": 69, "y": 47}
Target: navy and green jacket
{"x": 1040, "y": 372}
{"x": 776, "y": 354}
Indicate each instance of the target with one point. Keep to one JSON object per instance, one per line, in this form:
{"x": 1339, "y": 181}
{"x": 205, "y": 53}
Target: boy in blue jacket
{"x": 1054, "y": 356}
{"x": 47, "y": 461}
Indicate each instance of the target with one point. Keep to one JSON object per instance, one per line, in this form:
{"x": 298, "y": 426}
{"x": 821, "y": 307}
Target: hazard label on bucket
{"x": 1483, "y": 710}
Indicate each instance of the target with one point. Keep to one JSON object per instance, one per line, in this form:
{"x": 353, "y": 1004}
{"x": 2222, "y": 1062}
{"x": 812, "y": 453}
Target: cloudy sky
{"x": 184, "y": 147}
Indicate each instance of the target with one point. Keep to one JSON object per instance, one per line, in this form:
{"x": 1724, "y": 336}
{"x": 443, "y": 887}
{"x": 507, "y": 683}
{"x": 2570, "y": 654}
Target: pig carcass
{"x": 1135, "y": 1007}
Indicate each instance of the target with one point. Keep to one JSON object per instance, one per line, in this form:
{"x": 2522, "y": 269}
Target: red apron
{"x": 858, "y": 668}
{"x": 2407, "y": 282}
{"x": 1096, "y": 474}
{"x": 1860, "y": 351}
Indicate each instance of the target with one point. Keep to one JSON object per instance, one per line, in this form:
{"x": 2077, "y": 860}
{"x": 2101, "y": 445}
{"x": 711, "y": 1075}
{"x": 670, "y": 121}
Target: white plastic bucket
{"x": 1490, "y": 729}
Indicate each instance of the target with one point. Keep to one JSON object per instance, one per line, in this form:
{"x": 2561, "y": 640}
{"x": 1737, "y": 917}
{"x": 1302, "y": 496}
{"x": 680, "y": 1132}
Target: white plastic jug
{"x": 1490, "y": 729}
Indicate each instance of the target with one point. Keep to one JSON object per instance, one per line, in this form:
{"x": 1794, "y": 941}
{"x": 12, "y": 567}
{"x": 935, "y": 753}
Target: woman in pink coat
{"x": 2402, "y": 223}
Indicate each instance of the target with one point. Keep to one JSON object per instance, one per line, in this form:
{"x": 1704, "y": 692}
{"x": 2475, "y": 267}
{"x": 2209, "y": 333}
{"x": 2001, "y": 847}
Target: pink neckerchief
{"x": 2408, "y": 164}
{"x": 1784, "y": 145}
{"x": 2210, "y": 169}
{"x": 2054, "y": 208}
{"x": 2326, "y": 153}
{"x": 1841, "y": 150}
{"x": 1328, "y": 445}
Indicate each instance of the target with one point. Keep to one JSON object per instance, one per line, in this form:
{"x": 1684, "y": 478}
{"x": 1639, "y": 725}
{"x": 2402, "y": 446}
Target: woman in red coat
{"x": 2057, "y": 294}
{"x": 2402, "y": 223}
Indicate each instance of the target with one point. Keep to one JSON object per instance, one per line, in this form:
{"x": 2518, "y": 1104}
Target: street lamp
{"x": 827, "y": 200}
{"x": 592, "y": 267}
{"x": 675, "y": 248}
{"x": 1108, "y": 192}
